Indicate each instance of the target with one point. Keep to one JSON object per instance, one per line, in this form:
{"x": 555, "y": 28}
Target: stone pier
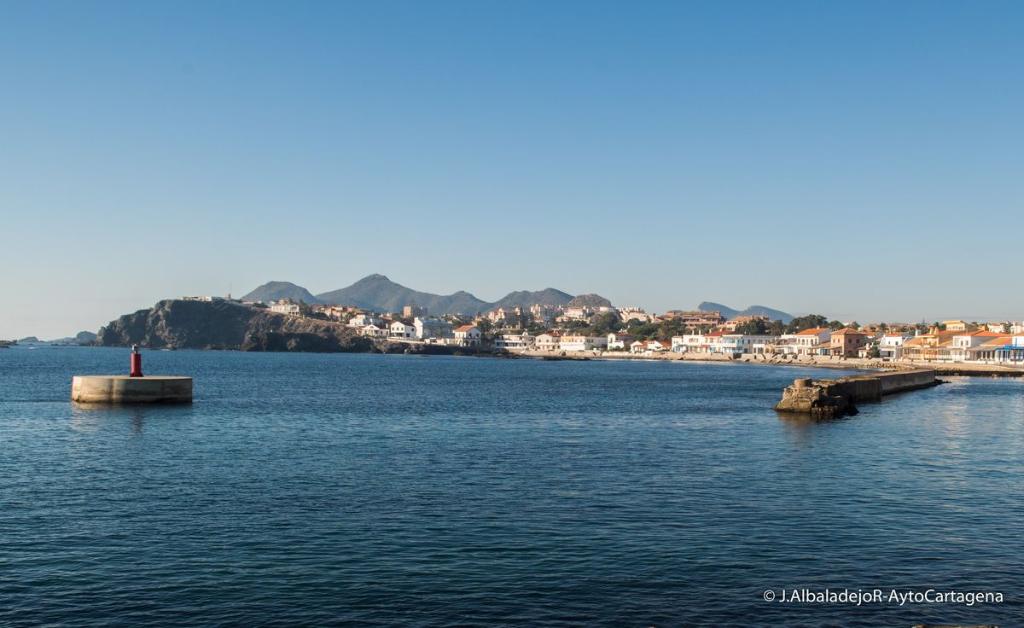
{"x": 122, "y": 389}
{"x": 830, "y": 398}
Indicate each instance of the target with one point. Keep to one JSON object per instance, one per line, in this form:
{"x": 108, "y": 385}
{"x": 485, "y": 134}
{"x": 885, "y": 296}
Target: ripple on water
{"x": 384, "y": 490}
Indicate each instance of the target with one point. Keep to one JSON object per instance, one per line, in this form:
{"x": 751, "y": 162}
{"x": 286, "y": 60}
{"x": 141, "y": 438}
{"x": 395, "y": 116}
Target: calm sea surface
{"x": 398, "y": 490}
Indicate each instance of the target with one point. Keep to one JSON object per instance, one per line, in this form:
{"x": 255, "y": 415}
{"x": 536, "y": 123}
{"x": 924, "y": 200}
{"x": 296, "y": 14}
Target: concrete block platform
{"x": 122, "y": 389}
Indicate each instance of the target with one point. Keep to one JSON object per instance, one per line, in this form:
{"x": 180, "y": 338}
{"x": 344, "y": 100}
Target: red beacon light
{"x": 136, "y": 370}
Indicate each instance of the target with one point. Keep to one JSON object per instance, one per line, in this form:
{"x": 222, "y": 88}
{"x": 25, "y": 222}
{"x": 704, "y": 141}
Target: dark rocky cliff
{"x": 177, "y": 324}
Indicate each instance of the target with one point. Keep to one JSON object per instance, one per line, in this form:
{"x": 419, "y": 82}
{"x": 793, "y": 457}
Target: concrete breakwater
{"x": 830, "y": 398}
{"x": 123, "y": 389}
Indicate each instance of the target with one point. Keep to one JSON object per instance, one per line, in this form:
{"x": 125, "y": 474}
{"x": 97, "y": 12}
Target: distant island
{"x": 82, "y": 338}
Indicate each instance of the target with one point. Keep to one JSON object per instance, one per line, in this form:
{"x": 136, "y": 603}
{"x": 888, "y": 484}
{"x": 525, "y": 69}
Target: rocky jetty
{"x": 176, "y": 324}
{"x": 823, "y": 399}
{"x": 832, "y": 398}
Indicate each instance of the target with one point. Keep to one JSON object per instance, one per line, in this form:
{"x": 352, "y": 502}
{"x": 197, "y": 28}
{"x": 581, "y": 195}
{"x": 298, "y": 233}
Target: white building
{"x": 649, "y": 346}
{"x": 618, "y": 341}
{"x": 432, "y": 328}
{"x": 736, "y": 344}
{"x": 548, "y": 341}
{"x": 1014, "y": 352}
{"x": 468, "y": 336}
{"x": 514, "y": 342}
{"x": 582, "y": 343}
{"x": 890, "y": 346}
{"x": 372, "y": 331}
{"x": 576, "y": 314}
{"x": 362, "y": 320}
{"x": 964, "y": 346}
{"x": 690, "y": 343}
{"x": 999, "y": 349}
{"x": 805, "y": 342}
{"x": 292, "y": 309}
{"x": 401, "y": 329}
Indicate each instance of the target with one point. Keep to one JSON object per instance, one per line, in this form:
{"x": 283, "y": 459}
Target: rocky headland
{"x": 178, "y": 324}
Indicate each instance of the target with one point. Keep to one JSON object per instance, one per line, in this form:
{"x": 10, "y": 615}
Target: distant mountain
{"x": 277, "y": 290}
{"x": 590, "y": 300}
{"x": 753, "y": 310}
{"x": 377, "y": 292}
{"x": 526, "y": 298}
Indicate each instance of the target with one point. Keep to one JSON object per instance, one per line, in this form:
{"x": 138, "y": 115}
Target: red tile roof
{"x": 848, "y": 330}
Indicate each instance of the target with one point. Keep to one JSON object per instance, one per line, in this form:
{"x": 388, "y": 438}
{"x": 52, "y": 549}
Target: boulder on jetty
{"x": 823, "y": 399}
{"x": 832, "y": 398}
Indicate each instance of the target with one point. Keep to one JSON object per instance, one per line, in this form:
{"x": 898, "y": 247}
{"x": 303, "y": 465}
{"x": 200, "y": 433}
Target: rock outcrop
{"x": 175, "y": 324}
{"x": 822, "y": 399}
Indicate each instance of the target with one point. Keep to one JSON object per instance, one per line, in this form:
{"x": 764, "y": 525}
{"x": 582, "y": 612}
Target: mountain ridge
{"x": 753, "y": 310}
{"x": 378, "y": 292}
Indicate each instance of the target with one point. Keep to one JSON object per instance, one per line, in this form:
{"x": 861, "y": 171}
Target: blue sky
{"x": 862, "y": 160}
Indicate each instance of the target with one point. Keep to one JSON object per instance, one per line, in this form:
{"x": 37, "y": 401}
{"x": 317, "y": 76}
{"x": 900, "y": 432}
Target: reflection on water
{"x": 94, "y": 417}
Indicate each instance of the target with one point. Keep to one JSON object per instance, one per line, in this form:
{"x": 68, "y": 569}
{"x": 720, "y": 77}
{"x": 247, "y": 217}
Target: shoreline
{"x": 850, "y": 364}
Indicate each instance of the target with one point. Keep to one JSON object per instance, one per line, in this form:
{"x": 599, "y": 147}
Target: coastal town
{"x": 592, "y": 327}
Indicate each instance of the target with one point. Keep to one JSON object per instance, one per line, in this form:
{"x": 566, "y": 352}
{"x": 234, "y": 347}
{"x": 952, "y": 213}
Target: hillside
{"x": 526, "y": 298}
{"x": 590, "y": 300}
{"x": 377, "y": 292}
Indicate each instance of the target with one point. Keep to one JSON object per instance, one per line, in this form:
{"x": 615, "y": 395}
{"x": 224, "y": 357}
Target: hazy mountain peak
{"x": 753, "y": 310}
{"x": 590, "y": 300}
{"x": 277, "y": 290}
{"x": 378, "y": 292}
